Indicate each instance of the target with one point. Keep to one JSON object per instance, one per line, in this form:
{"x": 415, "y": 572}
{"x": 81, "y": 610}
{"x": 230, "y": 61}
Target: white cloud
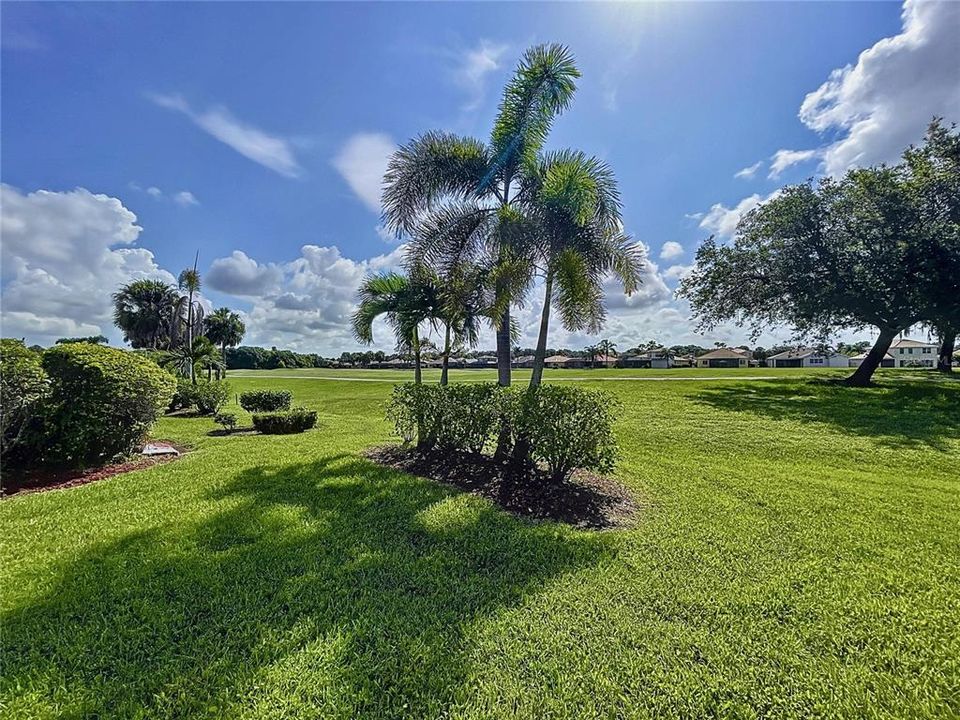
{"x": 884, "y": 102}
{"x": 723, "y": 220}
{"x": 271, "y": 151}
{"x": 694, "y": 216}
{"x": 747, "y": 173}
{"x": 474, "y": 65}
{"x": 671, "y": 250}
{"x": 241, "y": 275}
{"x": 185, "y": 198}
{"x": 783, "y": 159}
{"x": 154, "y": 191}
{"x": 677, "y": 272}
{"x": 63, "y": 254}
{"x": 362, "y": 162}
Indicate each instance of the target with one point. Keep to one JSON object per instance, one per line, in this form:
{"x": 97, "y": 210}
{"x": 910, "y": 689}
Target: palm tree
{"x": 592, "y": 351}
{"x": 607, "y": 349}
{"x": 184, "y": 358}
{"x": 406, "y": 302}
{"x": 465, "y": 301}
{"x": 576, "y": 205}
{"x": 189, "y": 281}
{"x": 224, "y": 328}
{"x": 455, "y": 195}
{"x": 142, "y": 309}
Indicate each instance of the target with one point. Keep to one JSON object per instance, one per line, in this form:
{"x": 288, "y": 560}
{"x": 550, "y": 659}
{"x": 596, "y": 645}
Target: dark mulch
{"x": 235, "y": 431}
{"x": 586, "y": 500}
{"x": 30, "y": 481}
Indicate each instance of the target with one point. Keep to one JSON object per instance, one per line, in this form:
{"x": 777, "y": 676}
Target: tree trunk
{"x": 193, "y": 376}
{"x": 503, "y": 349}
{"x": 446, "y": 355}
{"x": 536, "y": 377}
{"x": 223, "y": 352}
{"x": 948, "y": 341}
{"x": 861, "y": 377}
{"x": 417, "y": 377}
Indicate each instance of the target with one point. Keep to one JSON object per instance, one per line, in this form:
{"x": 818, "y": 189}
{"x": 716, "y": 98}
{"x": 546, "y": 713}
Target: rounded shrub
{"x": 211, "y": 396}
{"x": 264, "y": 401}
{"x": 23, "y": 385}
{"x": 185, "y": 395}
{"x": 457, "y": 417}
{"x": 285, "y": 422}
{"x": 102, "y": 402}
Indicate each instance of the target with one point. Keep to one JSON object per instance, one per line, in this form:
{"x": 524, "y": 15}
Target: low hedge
{"x": 286, "y": 422}
{"x": 23, "y": 386}
{"x": 564, "y": 427}
{"x": 264, "y": 401}
{"x": 102, "y": 403}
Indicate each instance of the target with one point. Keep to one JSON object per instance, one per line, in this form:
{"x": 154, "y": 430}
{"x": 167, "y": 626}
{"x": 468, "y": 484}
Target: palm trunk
{"x": 503, "y": 349}
{"x": 536, "y": 377}
{"x": 861, "y": 377}
{"x": 193, "y": 374}
{"x": 223, "y": 352}
{"x": 948, "y": 340}
{"x": 446, "y": 355}
{"x": 417, "y": 376}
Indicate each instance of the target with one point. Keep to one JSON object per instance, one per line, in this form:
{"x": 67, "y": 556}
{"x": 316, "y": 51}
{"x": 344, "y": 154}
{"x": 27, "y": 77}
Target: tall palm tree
{"x": 607, "y": 348}
{"x": 576, "y": 206}
{"x": 189, "y": 281}
{"x": 185, "y": 358}
{"x": 457, "y": 197}
{"x": 592, "y": 351}
{"x": 465, "y": 301}
{"x": 142, "y": 309}
{"x": 224, "y": 327}
{"x": 406, "y": 302}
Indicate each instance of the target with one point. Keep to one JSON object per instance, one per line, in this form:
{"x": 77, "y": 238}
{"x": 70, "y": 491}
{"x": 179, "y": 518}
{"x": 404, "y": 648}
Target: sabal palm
{"x": 455, "y": 196}
{"x": 406, "y": 302}
{"x": 575, "y": 203}
{"x": 224, "y": 327}
{"x": 143, "y": 309}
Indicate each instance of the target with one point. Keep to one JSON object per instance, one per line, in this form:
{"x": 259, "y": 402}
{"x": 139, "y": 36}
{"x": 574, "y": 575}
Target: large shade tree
{"x": 143, "y": 310}
{"x": 867, "y": 249}
{"x": 406, "y": 302}
{"x": 224, "y": 328}
{"x": 471, "y": 188}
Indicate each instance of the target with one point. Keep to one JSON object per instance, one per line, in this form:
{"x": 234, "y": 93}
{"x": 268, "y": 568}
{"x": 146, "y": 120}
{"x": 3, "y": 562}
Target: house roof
{"x": 908, "y": 343}
{"x": 557, "y": 359}
{"x": 524, "y": 358}
{"x": 801, "y": 353}
{"x": 863, "y": 356}
{"x": 724, "y": 354}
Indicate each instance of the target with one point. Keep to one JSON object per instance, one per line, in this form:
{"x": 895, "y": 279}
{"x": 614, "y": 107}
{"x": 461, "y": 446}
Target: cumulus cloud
{"x": 671, "y": 250}
{"x": 723, "y": 220}
{"x": 362, "y": 161}
{"x": 884, "y": 101}
{"x": 747, "y": 173}
{"x": 271, "y": 151}
{"x": 677, "y": 272}
{"x": 241, "y": 275}
{"x": 63, "y": 254}
{"x": 474, "y": 65}
{"x": 783, "y": 159}
{"x": 185, "y": 198}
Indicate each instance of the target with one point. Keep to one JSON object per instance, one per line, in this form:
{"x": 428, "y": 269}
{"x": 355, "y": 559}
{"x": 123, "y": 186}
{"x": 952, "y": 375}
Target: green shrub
{"x": 23, "y": 385}
{"x": 185, "y": 396}
{"x": 102, "y": 403}
{"x": 264, "y": 401}
{"x": 227, "y": 420}
{"x": 458, "y": 417}
{"x": 568, "y": 428}
{"x": 285, "y": 422}
{"x": 211, "y": 396}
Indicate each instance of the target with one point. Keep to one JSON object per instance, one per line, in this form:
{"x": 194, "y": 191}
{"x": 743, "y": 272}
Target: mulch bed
{"x": 586, "y": 500}
{"x": 59, "y": 479}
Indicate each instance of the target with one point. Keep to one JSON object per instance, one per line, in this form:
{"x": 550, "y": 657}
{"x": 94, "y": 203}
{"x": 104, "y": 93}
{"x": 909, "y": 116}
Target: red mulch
{"x": 19, "y": 483}
{"x": 586, "y": 500}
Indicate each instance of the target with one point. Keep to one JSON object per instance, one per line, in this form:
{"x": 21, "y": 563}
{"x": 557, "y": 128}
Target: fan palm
{"x": 576, "y": 205}
{"x": 406, "y": 302}
{"x": 224, "y": 327}
{"x": 185, "y": 359}
{"x": 143, "y": 309}
{"x": 455, "y": 195}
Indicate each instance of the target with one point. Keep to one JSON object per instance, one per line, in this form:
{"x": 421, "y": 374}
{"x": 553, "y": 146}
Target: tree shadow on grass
{"x": 335, "y": 586}
{"x": 898, "y": 413}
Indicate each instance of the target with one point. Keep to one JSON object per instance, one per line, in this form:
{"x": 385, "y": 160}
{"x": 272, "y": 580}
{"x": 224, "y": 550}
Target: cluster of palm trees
{"x": 484, "y": 221}
{"x": 156, "y": 316}
{"x": 604, "y": 349}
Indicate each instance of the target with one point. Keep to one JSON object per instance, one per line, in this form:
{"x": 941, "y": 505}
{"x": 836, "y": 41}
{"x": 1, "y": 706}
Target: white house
{"x": 914, "y": 353}
{"x": 808, "y": 357}
{"x": 887, "y": 362}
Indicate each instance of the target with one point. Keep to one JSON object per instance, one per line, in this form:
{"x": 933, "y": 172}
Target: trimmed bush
{"x": 265, "y": 401}
{"x": 102, "y": 403}
{"x": 210, "y": 397}
{"x": 23, "y": 385}
{"x": 185, "y": 396}
{"x": 457, "y": 417}
{"x": 568, "y": 428}
{"x": 286, "y": 422}
{"x": 227, "y": 420}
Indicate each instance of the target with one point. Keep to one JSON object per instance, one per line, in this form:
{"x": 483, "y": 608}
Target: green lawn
{"x": 798, "y": 555}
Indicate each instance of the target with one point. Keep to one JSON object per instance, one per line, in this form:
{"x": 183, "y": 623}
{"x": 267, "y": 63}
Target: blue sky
{"x": 256, "y": 134}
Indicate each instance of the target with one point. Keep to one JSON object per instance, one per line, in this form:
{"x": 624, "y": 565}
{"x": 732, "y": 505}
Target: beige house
{"x": 725, "y": 358}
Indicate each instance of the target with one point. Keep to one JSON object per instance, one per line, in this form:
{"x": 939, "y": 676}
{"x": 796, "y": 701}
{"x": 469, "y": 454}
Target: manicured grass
{"x": 798, "y": 556}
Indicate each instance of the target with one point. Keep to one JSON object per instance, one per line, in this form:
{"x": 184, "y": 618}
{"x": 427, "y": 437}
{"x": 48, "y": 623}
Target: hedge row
{"x": 565, "y": 427}
{"x": 286, "y": 422}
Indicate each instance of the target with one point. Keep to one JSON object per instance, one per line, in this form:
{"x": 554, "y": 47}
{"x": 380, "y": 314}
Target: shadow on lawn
{"x": 898, "y": 413}
{"x": 351, "y": 585}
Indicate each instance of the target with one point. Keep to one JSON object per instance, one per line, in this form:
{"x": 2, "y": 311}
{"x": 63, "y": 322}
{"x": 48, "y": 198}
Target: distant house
{"x": 887, "y": 361}
{"x": 807, "y": 357}
{"x": 654, "y": 358}
{"x": 725, "y": 358}
{"x": 562, "y": 361}
{"x": 598, "y": 361}
{"x": 524, "y": 361}
{"x": 914, "y": 353}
